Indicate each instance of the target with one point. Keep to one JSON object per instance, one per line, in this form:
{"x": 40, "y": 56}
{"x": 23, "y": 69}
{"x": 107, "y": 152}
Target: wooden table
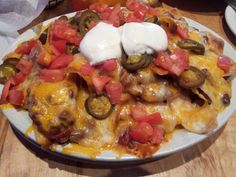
{"x": 214, "y": 157}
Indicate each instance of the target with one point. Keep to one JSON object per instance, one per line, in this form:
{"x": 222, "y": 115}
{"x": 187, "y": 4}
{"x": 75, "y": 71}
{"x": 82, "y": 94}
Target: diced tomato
{"x": 182, "y": 32}
{"x": 55, "y": 51}
{"x": 86, "y": 69}
{"x": 114, "y": 16}
{"x": 138, "y": 112}
{"x": 114, "y": 91}
{"x": 51, "y": 75}
{"x": 18, "y": 78}
{"x": 98, "y": 7}
{"x": 61, "y": 29}
{"x": 158, "y": 70}
{"x": 181, "y": 60}
{"x": 141, "y": 132}
{"x": 26, "y": 47}
{"x": 108, "y": 66}
{"x": 132, "y": 5}
{"x": 157, "y": 135}
{"x": 60, "y": 45}
{"x": 224, "y": 63}
{"x": 106, "y": 14}
{"x": 164, "y": 60}
{"x": 5, "y": 91}
{"x": 153, "y": 119}
{"x": 16, "y": 97}
{"x": 100, "y": 82}
{"x": 122, "y": 15}
{"x": 136, "y": 16}
{"x": 139, "y": 15}
{"x": 131, "y": 18}
{"x": 143, "y": 8}
{"x": 61, "y": 62}
{"x": 175, "y": 63}
{"x": 24, "y": 66}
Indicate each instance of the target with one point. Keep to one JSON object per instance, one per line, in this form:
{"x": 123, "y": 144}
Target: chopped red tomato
{"x": 108, "y": 66}
{"x": 18, "y": 78}
{"x": 24, "y": 66}
{"x": 138, "y": 112}
{"x": 139, "y": 15}
{"x": 175, "y": 63}
{"x": 98, "y": 7}
{"x": 61, "y": 62}
{"x": 131, "y": 18}
{"x": 51, "y": 75}
{"x": 153, "y": 119}
{"x": 26, "y": 47}
{"x": 61, "y": 29}
{"x": 5, "y": 91}
{"x": 157, "y": 135}
{"x": 141, "y": 132}
{"x": 182, "y": 32}
{"x": 114, "y": 91}
{"x": 158, "y": 70}
{"x": 143, "y": 8}
{"x": 86, "y": 69}
{"x": 111, "y": 15}
{"x": 106, "y": 13}
{"x": 224, "y": 63}
{"x": 55, "y": 51}
{"x": 100, "y": 82}
{"x": 60, "y": 45}
{"x": 16, "y": 97}
{"x": 122, "y": 15}
{"x": 132, "y": 5}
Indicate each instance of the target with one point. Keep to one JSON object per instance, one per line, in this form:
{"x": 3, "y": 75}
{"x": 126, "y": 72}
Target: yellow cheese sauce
{"x": 6, "y": 106}
{"x": 30, "y": 129}
{"x": 194, "y": 35}
{"x": 76, "y": 148}
{"x": 52, "y": 98}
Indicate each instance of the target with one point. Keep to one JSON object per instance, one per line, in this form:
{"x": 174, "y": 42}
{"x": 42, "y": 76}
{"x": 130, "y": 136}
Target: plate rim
{"x": 229, "y": 11}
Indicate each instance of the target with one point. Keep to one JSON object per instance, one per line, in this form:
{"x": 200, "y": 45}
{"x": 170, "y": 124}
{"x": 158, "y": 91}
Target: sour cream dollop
{"x": 101, "y": 43}
{"x": 105, "y": 41}
{"x": 140, "y": 38}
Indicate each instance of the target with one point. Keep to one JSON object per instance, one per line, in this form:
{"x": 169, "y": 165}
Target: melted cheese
{"x": 85, "y": 150}
{"x": 194, "y": 35}
{"x": 103, "y": 135}
{"x": 215, "y": 85}
{"x": 196, "y": 118}
{"x": 6, "y": 106}
{"x": 30, "y": 130}
{"x": 102, "y": 132}
{"x": 52, "y": 98}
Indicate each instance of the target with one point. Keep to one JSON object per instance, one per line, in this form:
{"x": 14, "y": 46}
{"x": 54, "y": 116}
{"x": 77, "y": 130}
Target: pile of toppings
{"x": 125, "y": 49}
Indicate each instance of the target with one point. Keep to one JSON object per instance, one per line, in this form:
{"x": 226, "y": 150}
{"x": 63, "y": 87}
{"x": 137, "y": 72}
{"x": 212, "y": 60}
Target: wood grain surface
{"x": 214, "y": 157}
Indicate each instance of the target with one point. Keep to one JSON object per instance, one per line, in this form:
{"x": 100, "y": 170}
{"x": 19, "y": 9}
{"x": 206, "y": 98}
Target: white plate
{"x": 181, "y": 138}
{"x": 230, "y": 17}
